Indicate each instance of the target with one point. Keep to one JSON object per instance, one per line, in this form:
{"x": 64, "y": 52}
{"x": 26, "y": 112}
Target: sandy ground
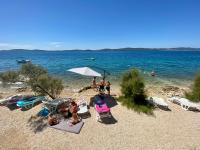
{"x": 175, "y": 129}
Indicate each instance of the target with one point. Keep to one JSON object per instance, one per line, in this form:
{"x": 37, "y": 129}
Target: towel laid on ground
{"x": 65, "y": 125}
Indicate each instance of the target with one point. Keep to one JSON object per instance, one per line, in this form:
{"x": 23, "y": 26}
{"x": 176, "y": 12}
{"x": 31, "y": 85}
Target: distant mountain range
{"x": 110, "y": 49}
{"x": 176, "y": 48}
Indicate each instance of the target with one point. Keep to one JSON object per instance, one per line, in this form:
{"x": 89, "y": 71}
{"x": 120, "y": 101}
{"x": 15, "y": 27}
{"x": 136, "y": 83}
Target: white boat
{"x": 23, "y": 61}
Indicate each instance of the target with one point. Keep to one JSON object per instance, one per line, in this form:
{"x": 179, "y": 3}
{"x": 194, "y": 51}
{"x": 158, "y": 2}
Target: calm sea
{"x": 170, "y": 66}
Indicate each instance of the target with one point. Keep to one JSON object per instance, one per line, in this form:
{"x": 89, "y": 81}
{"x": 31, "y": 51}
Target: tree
{"x": 32, "y": 71}
{"x": 47, "y": 85}
{"x": 194, "y": 95}
{"x": 9, "y": 76}
{"x": 133, "y": 95}
{"x": 40, "y": 81}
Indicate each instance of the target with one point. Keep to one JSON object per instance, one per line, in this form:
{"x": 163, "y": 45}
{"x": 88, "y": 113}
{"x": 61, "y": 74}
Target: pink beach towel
{"x": 102, "y": 108}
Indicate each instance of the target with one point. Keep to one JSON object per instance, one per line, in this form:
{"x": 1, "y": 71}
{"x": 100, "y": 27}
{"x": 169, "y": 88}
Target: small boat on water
{"x": 23, "y": 61}
{"x": 91, "y": 58}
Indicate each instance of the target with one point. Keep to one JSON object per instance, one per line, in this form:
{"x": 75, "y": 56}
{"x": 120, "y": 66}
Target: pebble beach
{"x": 173, "y": 129}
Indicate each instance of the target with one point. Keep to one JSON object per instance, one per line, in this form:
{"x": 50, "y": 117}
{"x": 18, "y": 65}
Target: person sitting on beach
{"x": 52, "y": 119}
{"x": 108, "y": 87}
{"x": 73, "y": 109}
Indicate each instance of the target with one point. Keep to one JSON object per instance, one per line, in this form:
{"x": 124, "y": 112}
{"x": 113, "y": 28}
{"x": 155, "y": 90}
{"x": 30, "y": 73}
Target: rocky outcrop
{"x": 170, "y": 91}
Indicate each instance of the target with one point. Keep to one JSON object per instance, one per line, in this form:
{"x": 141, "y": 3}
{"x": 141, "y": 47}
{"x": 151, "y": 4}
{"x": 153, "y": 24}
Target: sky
{"x": 97, "y": 24}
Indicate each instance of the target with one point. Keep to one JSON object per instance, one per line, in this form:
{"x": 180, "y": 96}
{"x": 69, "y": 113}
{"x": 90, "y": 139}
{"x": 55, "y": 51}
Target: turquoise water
{"x": 170, "y": 66}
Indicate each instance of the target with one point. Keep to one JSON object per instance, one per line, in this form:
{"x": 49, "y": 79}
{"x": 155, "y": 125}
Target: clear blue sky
{"x": 95, "y": 24}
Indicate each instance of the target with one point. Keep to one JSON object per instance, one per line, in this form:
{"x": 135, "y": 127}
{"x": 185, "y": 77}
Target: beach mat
{"x": 65, "y": 126}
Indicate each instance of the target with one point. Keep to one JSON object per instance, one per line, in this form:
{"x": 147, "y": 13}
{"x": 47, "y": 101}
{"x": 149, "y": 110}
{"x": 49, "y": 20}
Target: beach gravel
{"x": 174, "y": 129}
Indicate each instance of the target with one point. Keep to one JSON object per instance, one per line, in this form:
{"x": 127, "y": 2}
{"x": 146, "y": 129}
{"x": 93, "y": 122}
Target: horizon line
{"x": 124, "y": 48}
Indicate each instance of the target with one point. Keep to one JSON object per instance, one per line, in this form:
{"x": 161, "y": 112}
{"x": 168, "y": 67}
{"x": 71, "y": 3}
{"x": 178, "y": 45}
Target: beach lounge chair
{"x": 159, "y": 102}
{"x": 29, "y": 102}
{"x": 185, "y": 103}
{"x": 102, "y": 110}
{"x": 14, "y": 100}
{"x": 174, "y": 100}
{"x": 4, "y": 101}
{"x": 102, "y": 114}
{"x": 82, "y": 108}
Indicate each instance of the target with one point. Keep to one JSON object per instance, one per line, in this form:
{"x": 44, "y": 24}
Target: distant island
{"x": 111, "y": 49}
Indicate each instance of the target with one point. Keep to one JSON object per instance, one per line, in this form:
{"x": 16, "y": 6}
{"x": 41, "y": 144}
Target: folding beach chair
{"x": 52, "y": 105}
{"x": 83, "y": 108}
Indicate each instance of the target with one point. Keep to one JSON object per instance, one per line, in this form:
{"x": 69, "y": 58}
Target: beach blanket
{"x": 66, "y": 126}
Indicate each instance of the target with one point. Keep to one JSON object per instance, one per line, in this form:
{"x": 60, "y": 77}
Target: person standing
{"x": 108, "y": 87}
{"x": 102, "y": 86}
{"x": 94, "y": 84}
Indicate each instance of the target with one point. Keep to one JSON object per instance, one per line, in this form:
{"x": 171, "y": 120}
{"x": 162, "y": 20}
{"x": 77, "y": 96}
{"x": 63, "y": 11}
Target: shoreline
{"x": 73, "y": 87}
{"x": 150, "y": 81}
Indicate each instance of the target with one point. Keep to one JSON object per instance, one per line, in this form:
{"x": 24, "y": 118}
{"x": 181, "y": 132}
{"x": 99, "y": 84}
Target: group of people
{"x": 101, "y": 86}
{"x": 70, "y": 111}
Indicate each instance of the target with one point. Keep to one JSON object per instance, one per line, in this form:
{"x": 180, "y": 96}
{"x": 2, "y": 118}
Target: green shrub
{"x": 133, "y": 95}
{"x": 194, "y": 95}
{"x": 9, "y": 76}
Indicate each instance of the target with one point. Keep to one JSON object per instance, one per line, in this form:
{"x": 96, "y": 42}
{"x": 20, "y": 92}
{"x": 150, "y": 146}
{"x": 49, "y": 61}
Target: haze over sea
{"x": 171, "y": 66}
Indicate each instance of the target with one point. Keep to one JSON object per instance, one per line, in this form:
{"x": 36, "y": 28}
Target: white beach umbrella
{"x": 86, "y": 71}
